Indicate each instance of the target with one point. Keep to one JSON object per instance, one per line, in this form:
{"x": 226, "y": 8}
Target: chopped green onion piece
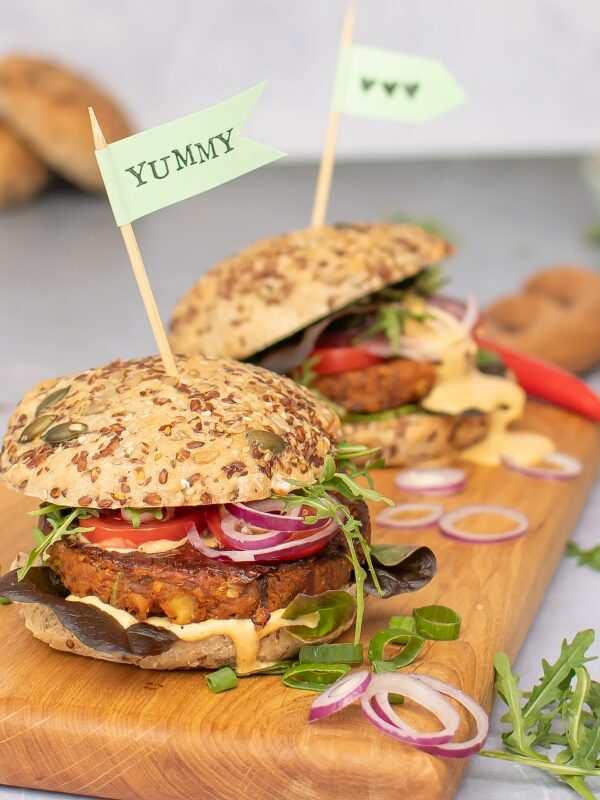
{"x": 403, "y": 623}
{"x": 331, "y": 654}
{"x": 383, "y": 666}
{"x": 437, "y": 622}
{"x": 412, "y": 647}
{"x": 4, "y": 601}
{"x": 314, "y": 677}
{"x": 277, "y": 668}
{"x": 221, "y": 680}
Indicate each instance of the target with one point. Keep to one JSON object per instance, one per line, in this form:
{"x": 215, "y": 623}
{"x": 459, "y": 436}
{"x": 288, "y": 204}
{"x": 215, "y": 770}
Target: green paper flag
{"x": 372, "y": 82}
{"x": 161, "y": 166}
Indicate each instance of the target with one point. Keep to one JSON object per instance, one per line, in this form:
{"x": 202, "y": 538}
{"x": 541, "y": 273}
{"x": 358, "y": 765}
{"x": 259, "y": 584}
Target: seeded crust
{"x": 416, "y": 438}
{"x": 277, "y": 286}
{"x": 211, "y": 653}
{"x": 153, "y": 440}
{"x": 22, "y": 174}
{"x": 47, "y": 105}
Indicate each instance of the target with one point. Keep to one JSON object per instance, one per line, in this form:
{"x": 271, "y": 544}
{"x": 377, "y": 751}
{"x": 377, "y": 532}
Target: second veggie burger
{"x": 351, "y": 311}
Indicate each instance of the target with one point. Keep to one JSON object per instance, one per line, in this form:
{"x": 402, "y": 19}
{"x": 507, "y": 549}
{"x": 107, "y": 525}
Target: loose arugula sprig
{"x": 324, "y": 499}
{"x": 60, "y": 519}
{"x": 564, "y": 694}
{"x": 590, "y": 558}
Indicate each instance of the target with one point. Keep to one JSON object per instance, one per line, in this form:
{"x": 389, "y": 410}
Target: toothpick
{"x": 139, "y": 270}
{"x": 328, "y": 157}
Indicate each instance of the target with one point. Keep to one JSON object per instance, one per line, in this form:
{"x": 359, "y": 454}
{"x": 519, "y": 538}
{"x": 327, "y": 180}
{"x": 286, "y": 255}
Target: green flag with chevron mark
{"x": 372, "y": 82}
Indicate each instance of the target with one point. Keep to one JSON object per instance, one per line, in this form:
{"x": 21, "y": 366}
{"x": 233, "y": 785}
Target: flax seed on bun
{"x": 126, "y": 435}
{"x": 277, "y": 286}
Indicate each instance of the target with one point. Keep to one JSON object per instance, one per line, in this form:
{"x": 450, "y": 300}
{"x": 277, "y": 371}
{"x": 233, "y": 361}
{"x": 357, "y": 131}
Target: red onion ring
{"x": 250, "y": 541}
{"x": 442, "y": 481}
{"x": 377, "y": 709}
{"x": 571, "y": 467}
{"x": 447, "y": 523}
{"x": 458, "y": 749}
{"x": 258, "y": 515}
{"x": 467, "y": 313}
{"x": 388, "y": 517}
{"x": 289, "y": 548}
{"x": 340, "y": 694}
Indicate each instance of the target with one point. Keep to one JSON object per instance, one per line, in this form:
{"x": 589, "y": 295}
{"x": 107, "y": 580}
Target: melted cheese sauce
{"x": 461, "y": 387}
{"x": 158, "y": 546}
{"x": 244, "y": 635}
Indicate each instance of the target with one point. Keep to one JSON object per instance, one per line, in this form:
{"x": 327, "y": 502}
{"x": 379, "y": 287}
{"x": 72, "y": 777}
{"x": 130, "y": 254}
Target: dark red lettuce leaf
{"x": 400, "y": 569}
{"x": 93, "y": 627}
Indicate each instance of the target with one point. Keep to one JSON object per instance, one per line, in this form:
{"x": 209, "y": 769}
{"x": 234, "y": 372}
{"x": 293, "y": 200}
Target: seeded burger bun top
{"x": 278, "y": 286}
{"x": 128, "y": 435}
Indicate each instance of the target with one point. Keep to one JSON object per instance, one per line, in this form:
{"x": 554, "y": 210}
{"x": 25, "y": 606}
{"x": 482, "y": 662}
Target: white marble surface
{"x": 529, "y": 68}
{"x": 67, "y": 301}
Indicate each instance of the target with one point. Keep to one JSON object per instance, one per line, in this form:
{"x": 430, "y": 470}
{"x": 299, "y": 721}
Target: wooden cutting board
{"x": 82, "y": 726}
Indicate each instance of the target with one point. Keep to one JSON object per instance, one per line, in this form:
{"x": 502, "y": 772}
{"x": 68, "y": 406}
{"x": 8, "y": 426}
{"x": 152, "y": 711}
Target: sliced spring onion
{"x": 566, "y": 467}
{"x": 412, "y": 647}
{"x": 383, "y": 666}
{"x": 429, "y": 514}
{"x": 403, "y": 623}
{"x": 4, "y": 601}
{"x": 277, "y": 668}
{"x": 437, "y": 622}
{"x": 314, "y": 677}
{"x": 221, "y": 680}
{"x": 439, "y": 481}
{"x": 338, "y": 653}
{"x": 448, "y": 523}
{"x": 340, "y": 694}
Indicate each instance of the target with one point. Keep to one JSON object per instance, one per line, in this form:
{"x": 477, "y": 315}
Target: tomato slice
{"x": 114, "y": 530}
{"x": 333, "y": 360}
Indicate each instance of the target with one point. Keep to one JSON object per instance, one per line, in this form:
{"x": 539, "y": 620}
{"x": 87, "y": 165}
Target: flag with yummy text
{"x": 372, "y": 82}
{"x": 163, "y": 165}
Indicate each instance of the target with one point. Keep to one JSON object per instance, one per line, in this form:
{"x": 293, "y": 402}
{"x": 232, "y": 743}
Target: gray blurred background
{"x": 530, "y": 67}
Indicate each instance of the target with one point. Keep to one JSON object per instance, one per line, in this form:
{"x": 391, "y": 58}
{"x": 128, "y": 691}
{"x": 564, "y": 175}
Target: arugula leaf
{"x": 323, "y": 499}
{"x": 305, "y": 374}
{"x": 573, "y": 708}
{"x": 563, "y": 692}
{"x": 590, "y": 558}
{"x": 390, "y": 320}
{"x": 136, "y": 513}
{"x": 61, "y": 519}
{"x": 550, "y": 687}
{"x": 507, "y": 686}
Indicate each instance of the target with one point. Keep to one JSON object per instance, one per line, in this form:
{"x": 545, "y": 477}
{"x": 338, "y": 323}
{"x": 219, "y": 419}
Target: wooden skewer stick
{"x": 139, "y": 270}
{"x": 328, "y": 157}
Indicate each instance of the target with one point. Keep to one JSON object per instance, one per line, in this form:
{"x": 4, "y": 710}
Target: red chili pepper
{"x": 541, "y": 379}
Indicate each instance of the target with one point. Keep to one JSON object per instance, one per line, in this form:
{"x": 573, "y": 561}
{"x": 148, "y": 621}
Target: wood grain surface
{"x": 82, "y": 726}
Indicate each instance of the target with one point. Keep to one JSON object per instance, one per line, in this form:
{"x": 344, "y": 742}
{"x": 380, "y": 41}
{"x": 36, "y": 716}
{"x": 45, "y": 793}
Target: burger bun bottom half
{"x": 211, "y": 653}
{"x": 417, "y": 438}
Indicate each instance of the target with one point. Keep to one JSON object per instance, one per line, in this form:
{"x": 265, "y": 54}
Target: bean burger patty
{"x": 187, "y": 587}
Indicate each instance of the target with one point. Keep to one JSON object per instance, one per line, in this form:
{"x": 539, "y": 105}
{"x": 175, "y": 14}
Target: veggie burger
{"x": 352, "y": 312}
{"x": 197, "y": 521}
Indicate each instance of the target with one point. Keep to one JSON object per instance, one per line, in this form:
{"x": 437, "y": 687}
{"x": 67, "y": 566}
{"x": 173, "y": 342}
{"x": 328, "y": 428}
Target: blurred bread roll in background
{"x": 47, "y": 105}
{"x": 555, "y": 316}
{"x": 22, "y": 174}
